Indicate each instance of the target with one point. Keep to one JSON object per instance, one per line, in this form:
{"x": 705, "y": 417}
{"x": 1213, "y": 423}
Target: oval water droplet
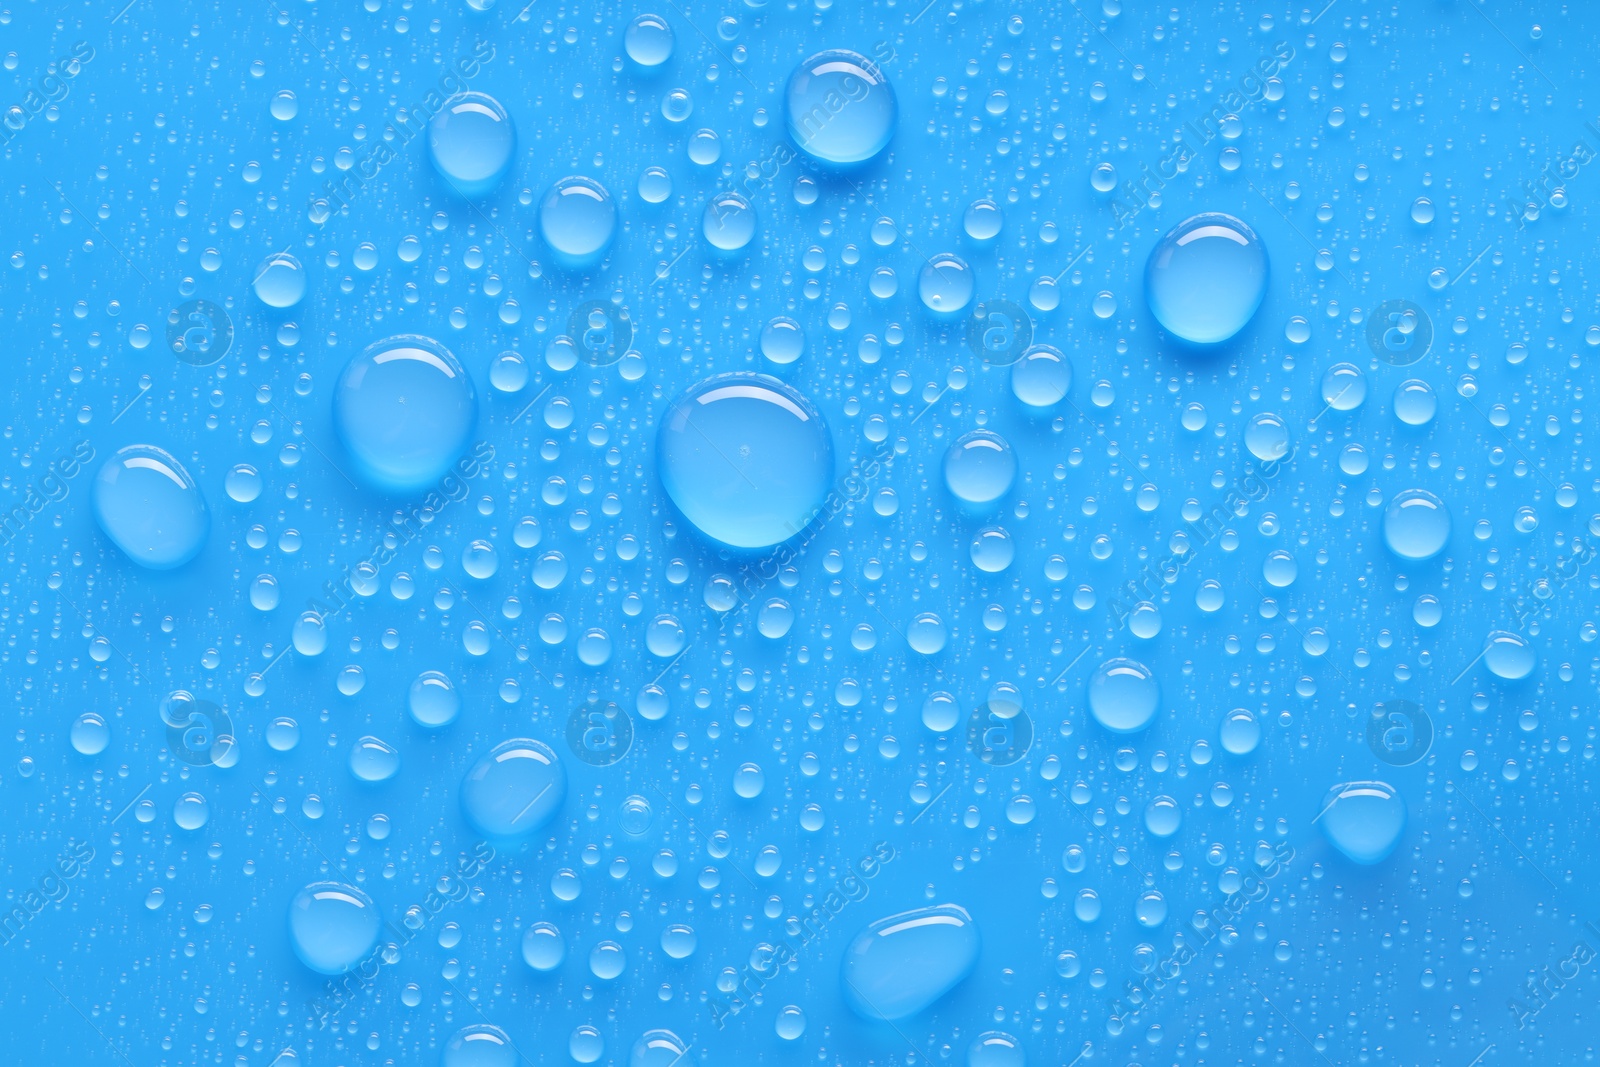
{"x": 280, "y": 281}
{"x": 577, "y": 219}
{"x": 899, "y": 965}
{"x": 149, "y": 506}
{"x": 479, "y": 1045}
{"x": 648, "y": 40}
{"x": 514, "y": 789}
{"x": 1042, "y": 377}
{"x": 374, "y": 760}
{"x": 471, "y": 141}
{"x": 1509, "y": 656}
{"x": 979, "y": 467}
{"x": 404, "y": 409}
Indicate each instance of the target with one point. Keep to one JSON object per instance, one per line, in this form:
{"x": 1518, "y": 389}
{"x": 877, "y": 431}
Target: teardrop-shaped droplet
{"x": 1364, "y": 820}
{"x": 899, "y": 965}
{"x": 146, "y": 502}
{"x": 514, "y": 789}
{"x": 332, "y": 926}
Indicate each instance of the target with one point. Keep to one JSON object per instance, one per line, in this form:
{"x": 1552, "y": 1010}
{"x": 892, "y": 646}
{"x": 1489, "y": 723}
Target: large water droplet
{"x": 374, "y": 760}
{"x": 577, "y": 219}
{"x": 746, "y": 459}
{"x": 729, "y": 222}
{"x": 901, "y": 964}
{"x": 90, "y": 734}
{"x": 1508, "y": 656}
{"x": 1123, "y": 695}
{"x": 661, "y": 1048}
{"x": 543, "y": 948}
{"x": 839, "y": 107}
{"x": 1206, "y": 278}
{"x": 648, "y": 40}
{"x": 1267, "y": 437}
{"x": 280, "y": 281}
{"x": 1344, "y": 387}
{"x": 471, "y": 141}
{"x": 946, "y": 284}
{"x": 148, "y": 505}
{"x": 995, "y": 1049}
{"x": 1416, "y": 525}
{"x": 480, "y": 1045}
{"x": 433, "y": 700}
{"x": 332, "y": 926}
{"x": 1241, "y": 732}
{"x": 404, "y": 409}
{"x": 514, "y": 789}
{"x": 1364, "y": 820}
{"x": 1042, "y": 377}
{"x": 992, "y": 550}
{"x": 979, "y": 467}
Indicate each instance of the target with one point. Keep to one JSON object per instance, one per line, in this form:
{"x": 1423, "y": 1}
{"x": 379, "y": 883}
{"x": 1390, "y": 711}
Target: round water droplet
{"x": 661, "y": 1048}
{"x": 543, "y": 948}
{"x": 927, "y": 634}
{"x": 901, "y": 964}
{"x": 705, "y": 147}
{"x": 191, "y": 811}
{"x": 946, "y": 284}
{"x": 992, "y": 550}
{"x": 90, "y": 734}
{"x": 1206, "y": 278}
{"x": 1363, "y": 820}
{"x": 1151, "y": 908}
{"x": 146, "y": 503}
{"x": 405, "y": 409}
{"x": 1416, "y": 525}
{"x": 983, "y": 220}
{"x": 243, "y": 483}
{"x": 979, "y": 467}
{"x": 1163, "y": 816}
{"x": 1123, "y": 695}
{"x": 1422, "y": 210}
{"x": 655, "y": 185}
{"x": 729, "y": 222}
{"x": 517, "y": 787}
{"x": 432, "y": 699}
{"x": 577, "y": 219}
{"x": 665, "y": 637}
{"x": 1042, "y": 377}
{"x": 1415, "y": 403}
{"x": 509, "y": 372}
{"x": 782, "y": 340}
{"x": 648, "y": 40}
{"x": 332, "y": 926}
{"x": 746, "y": 459}
{"x": 479, "y": 1045}
{"x": 480, "y": 560}
{"x": 1241, "y": 732}
{"x": 839, "y": 107}
{"x": 1344, "y": 387}
{"x": 791, "y": 1022}
{"x": 1509, "y": 656}
{"x": 309, "y": 634}
{"x": 284, "y": 105}
{"x": 749, "y": 780}
{"x": 1266, "y": 435}
{"x": 471, "y": 141}
{"x": 586, "y": 1045}
{"x": 995, "y": 1049}
{"x": 372, "y": 760}
{"x": 678, "y": 941}
{"x": 1279, "y": 569}
{"x": 280, "y": 281}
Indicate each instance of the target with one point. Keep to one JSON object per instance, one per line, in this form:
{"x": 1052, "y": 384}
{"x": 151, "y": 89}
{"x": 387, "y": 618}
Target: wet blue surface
{"x": 1223, "y": 670}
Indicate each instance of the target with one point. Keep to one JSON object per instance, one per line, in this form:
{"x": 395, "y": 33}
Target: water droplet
{"x": 542, "y": 947}
{"x": 1162, "y": 816}
{"x": 1344, "y": 387}
{"x": 992, "y": 550}
{"x": 1422, "y": 210}
{"x": 90, "y": 734}
{"x": 332, "y": 926}
{"x": 405, "y": 409}
{"x": 1364, "y": 820}
{"x": 280, "y": 281}
{"x": 514, "y": 789}
{"x": 1416, "y": 525}
{"x": 995, "y": 1049}
{"x": 1123, "y": 695}
{"x": 655, "y": 185}
{"x": 1206, "y": 278}
{"x": 1508, "y": 656}
{"x": 661, "y": 1048}
{"x": 946, "y": 284}
{"x": 372, "y": 760}
{"x": 243, "y": 483}
{"x": 577, "y": 219}
{"x": 149, "y": 506}
{"x": 927, "y": 634}
{"x": 191, "y": 811}
{"x": 678, "y": 941}
{"x": 791, "y": 1022}
{"x": 782, "y": 340}
{"x": 983, "y": 220}
{"x": 729, "y": 222}
{"x": 1415, "y": 403}
{"x": 746, "y": 458}
{"x": 479, "y": 1045}
{"x": 284, "y": 105}
{"x": 901, "y": 964}
{"x": 979, "y": 467}
{"x": 1042, "y": 377}
{"x": 648, "y": 40}
{"x": 839, "y": 107}
{"x": 471, "y": 141}
{"x": 1266, "y": 435}
{"x": 1241, "y": 732}
{"x": 586, "y": 1045}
